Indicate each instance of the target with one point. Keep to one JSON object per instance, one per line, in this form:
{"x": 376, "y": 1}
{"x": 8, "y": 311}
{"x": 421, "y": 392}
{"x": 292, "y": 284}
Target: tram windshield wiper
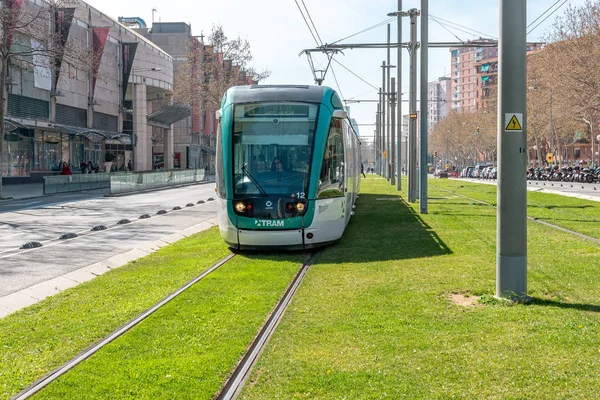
{"x": 254, "y": 181}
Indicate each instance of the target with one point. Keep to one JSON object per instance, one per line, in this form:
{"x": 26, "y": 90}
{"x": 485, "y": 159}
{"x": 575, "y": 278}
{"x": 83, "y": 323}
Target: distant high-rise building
{"x": 439, "y": 98}
{"x": 487, "y": 79}
{"x": 464, "y": 74}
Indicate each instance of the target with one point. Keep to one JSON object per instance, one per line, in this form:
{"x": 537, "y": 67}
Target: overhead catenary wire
{"x": 366, "y": 29}
{"x": 307, "y": 24}
{"x": 542, "y": 14}
{"x": 313, "y": 24}
{"x": 464, "y": 27}
{"x": 336, "y": 82}
{"x": 343, "y": 66}
{"x": 444, "y": 26}
{"x": 548, "y": 16}
{"x": 362, "y": 94}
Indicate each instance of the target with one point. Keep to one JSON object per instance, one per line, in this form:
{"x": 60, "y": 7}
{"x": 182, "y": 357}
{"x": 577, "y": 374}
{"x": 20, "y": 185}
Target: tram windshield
{"x": 272, "y": 148}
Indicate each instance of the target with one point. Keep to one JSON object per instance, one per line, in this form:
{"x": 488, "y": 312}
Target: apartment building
{"x": 464, "y": 74}
{"x": 439, "y": 100}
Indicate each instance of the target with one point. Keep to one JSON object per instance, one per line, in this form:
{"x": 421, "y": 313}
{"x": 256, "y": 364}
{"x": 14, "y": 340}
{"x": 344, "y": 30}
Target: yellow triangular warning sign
{"x": 514, "y": 124}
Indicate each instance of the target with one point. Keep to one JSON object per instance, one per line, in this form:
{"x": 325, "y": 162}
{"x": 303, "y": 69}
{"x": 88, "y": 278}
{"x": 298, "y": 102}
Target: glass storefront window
{"x": 16, "y": 151}
{"x": 77, "y": 147}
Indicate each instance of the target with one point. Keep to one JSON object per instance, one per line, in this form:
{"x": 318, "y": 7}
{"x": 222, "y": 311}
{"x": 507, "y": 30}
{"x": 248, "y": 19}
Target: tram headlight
{"x": 240, "y": 207}
{"x": 300, "y": 207}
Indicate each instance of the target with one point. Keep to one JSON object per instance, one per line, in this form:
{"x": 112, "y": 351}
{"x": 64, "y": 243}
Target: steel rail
{"x": 236, "y": 381}
{"x": 548, "y": 224}
{"x": 56, "y": 373}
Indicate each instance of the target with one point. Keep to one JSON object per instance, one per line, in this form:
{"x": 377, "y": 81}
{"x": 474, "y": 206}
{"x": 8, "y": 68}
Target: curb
{"x": 38, "y": 292}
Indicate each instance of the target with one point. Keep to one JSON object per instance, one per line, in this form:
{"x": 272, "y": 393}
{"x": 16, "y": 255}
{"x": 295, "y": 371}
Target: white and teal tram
{"x": 287, "y": 167}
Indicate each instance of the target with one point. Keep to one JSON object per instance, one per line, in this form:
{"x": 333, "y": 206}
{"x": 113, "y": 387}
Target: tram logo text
{"x": 266, "y": 223}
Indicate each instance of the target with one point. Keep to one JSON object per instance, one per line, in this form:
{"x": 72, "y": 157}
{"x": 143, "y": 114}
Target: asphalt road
{"x": 45, "y": 220}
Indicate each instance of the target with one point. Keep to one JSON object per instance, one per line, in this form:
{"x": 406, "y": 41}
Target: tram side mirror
{"x": 341, "y": 114}
{"x": 218, "y": 114}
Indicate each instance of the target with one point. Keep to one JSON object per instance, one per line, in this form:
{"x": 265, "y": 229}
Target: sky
{"x": 278, "y": 33}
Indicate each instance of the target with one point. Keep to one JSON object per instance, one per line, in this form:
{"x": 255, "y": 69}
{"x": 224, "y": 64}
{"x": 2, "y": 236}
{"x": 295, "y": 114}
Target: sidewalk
{"x": 36, "y": 293}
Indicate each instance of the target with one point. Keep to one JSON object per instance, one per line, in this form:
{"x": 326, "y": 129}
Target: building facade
{"x": 439, "y": 100}
{"x": 194, "y": 136}
{"x": 79, "y": 112}
{"x": 464, "y": 74}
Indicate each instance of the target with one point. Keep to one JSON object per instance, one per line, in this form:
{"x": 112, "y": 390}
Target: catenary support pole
{"x": 511, "y": 239}
{"x": 378, "y": 140}
{"x": 393, "y": 126}
{"x": 399, "y": 95}
{"x": 424, "y": 169}
{"x": 412, "y": 123}
{"x": 389, "y": 90}
{"x": 383, "y": 124}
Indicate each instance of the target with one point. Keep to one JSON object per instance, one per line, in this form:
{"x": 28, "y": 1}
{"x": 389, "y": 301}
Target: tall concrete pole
{"x": 424, "y": 169}
{"x": 511, "y": 239}
{"x": 383, "y": 124}
{"x": 399, "y": 95}
{"x": 389, "y": 90}
{"x": 412, "y": 124}
{"x": 376, "y": 140}
{"x": 378, "y": 137}
{"x": 393, "y": 128}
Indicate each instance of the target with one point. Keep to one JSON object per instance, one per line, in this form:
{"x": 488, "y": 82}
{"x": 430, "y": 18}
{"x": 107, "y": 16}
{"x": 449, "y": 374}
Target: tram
{"x": 287, "y": 167}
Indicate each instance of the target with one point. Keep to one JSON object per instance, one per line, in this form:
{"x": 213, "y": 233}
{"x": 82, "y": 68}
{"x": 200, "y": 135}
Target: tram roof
{"x": 266, "y": 93}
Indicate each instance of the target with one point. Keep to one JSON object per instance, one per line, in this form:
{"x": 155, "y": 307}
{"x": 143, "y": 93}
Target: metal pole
{"x": 399, "y": 95}
{"x": 383, "y": 124}
{"x": 592, "y": 136}
{"x": 412, "y": 124}
{"x": 511, "y": 246}
{"x": 393, "y": 127}
{"x": 424, "y": 133}
{"x": 377, "y": 139}
{"x": 390, "y": 164}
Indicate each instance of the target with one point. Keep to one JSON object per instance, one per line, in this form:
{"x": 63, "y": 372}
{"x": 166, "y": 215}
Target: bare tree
{"x": 213, "y": 68}
{"x": 28, "y": 40}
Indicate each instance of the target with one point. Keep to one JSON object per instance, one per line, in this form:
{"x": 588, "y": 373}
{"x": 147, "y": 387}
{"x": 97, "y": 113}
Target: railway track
{"x": 548, "y": 224}
{"x": 237, "y": 379}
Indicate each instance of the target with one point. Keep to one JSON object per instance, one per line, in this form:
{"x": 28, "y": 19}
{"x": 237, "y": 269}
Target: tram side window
{"x": 220, "y": 176}
{"x": 331, "y": 181}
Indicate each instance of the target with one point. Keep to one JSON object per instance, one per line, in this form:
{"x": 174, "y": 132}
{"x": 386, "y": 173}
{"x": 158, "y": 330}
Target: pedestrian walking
{"x": 362, "y": 170}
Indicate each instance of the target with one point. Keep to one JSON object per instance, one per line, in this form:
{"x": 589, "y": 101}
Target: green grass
{"x": 189, "y": 347}
{"x": 37, "y": 339}
{"x": 579, "y": 215}
{"x": 373, "y": 318}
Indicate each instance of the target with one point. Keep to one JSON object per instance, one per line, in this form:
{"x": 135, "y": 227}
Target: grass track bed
{"x": 571, "y": 213}
{"x": 38, "y": 339}
{"x": 373, "y": 318}
{"x": 188, "y": 348}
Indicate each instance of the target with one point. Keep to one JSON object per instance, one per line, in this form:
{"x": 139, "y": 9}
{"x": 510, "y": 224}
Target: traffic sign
{"x": 513, "y": 122}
